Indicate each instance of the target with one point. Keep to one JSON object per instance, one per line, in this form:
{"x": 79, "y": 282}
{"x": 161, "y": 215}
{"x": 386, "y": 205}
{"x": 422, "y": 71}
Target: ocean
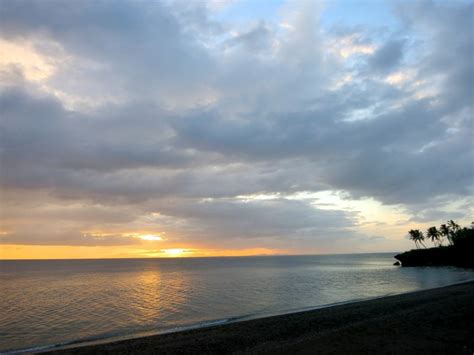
{"x": 53, "y": 302}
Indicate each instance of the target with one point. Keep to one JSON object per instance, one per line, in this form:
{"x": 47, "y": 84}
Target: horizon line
{"x": 202, "y": 257}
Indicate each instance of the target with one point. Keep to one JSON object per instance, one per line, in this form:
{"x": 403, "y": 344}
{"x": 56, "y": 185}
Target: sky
{"x": 225, "y": 128}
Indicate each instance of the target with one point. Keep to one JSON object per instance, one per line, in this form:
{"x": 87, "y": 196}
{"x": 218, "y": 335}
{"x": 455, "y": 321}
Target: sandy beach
{"x": 432, "y": 321}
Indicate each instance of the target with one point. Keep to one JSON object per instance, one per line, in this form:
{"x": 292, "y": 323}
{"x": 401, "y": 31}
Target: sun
{"x": 173, "y": 252}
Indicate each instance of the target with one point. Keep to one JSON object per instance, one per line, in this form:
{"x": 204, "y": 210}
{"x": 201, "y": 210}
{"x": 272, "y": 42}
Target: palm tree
{"x": 417, "y": 236}
{"x": 454, "y": 226}
{"x": 456, "y": 231}
{"x": 450, "y": 230}
{"x": 445, "y": 231}
{"x": 435, "y": 235}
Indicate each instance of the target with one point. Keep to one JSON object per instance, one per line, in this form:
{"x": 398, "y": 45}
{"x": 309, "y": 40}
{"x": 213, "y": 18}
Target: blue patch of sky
{"x": 373, "y": 17}
{"x": 375, "y": 13}
{"x": 370, "y": 13}
{"x": 243, "y": 11}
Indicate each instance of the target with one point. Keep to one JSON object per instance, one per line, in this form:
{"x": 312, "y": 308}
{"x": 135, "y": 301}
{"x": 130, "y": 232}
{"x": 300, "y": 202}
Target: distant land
{"x": 458, "y": 252}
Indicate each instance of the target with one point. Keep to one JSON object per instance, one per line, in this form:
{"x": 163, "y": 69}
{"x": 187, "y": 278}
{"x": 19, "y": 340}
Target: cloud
{"x": 388, "y": 57}
{"x": 160, "y": 108}
{"x": 449, "y": 51}
{"x": 277, "y": 218}
{"x": 64, "y": 237}
{"x": 113, "y": 48}
{"x": 256, "y": 39}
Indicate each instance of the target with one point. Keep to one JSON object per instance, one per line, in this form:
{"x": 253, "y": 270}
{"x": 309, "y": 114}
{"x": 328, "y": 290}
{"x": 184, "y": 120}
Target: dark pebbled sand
{"x": 438, "y": 321}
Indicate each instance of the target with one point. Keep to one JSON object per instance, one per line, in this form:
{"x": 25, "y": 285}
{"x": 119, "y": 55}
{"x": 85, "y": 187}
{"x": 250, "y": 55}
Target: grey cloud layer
{"x": 202, "y": 113}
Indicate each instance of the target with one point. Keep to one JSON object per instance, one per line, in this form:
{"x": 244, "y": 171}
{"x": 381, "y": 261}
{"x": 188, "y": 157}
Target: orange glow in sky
{"x": 10, "y": 251}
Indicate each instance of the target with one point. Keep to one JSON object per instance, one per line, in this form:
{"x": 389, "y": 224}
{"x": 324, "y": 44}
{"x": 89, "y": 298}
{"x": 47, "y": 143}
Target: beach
{"x": 431, "y": 321}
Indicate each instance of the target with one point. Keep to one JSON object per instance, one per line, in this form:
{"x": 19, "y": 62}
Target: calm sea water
{"x": 54, "y": 302}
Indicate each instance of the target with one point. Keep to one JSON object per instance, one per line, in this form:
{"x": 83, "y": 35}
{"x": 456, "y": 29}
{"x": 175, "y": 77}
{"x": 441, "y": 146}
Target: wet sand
{"x": 438, "y": 321}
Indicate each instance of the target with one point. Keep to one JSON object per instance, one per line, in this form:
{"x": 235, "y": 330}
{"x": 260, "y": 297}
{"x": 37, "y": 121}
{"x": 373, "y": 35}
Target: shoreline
{"x": 227, "y": 334}
{"x": 93, "y": 341}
